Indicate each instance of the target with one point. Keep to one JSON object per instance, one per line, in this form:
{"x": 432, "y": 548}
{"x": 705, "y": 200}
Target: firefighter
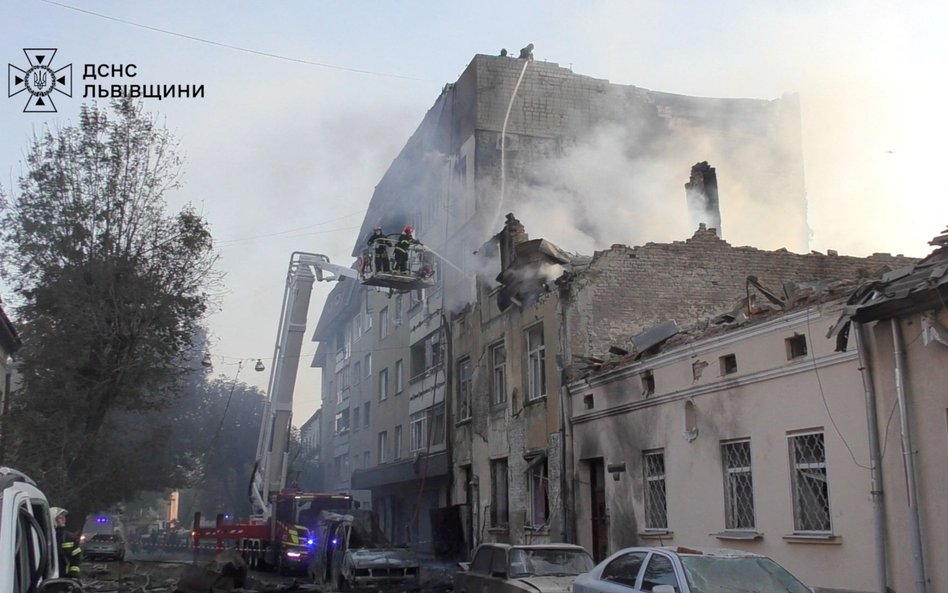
{"x": 405, "y": 241}
{"x": 70, "y": 554}
{"x": 526, "y": 53}
{"x": 378, "y": 240}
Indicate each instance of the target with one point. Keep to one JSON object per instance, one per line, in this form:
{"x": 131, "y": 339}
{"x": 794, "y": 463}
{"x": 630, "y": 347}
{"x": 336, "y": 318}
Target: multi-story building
{"x": 9, "y": 343}
{"x": 512, "y": 132}
{"x": 550, "y": 316}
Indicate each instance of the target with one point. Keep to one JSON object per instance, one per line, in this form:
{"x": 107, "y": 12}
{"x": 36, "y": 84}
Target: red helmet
{"x": 409, "y": 229}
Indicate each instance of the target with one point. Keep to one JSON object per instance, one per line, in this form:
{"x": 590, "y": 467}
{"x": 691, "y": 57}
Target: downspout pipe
{"x": 908, "y": 456}
{"x": 875, "y": 459}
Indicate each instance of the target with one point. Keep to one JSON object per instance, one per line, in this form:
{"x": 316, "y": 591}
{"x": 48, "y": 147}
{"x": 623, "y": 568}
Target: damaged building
{"x": 509, "y": 133}
{"x": 527, "y": 457}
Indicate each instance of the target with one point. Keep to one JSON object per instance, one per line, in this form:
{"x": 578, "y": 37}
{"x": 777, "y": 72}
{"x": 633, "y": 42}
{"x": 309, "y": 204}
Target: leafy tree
{"x": 112, "y": 288}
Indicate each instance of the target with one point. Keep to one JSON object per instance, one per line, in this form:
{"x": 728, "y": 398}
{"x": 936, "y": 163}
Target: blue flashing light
{"x": 101, "y": 520}
{"x": 310, "y": 541}
{"x": 335, "y": 541}
{"x": 227, "y": 517}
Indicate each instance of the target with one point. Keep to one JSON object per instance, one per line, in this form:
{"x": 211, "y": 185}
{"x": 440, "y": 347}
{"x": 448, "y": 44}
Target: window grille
{"x": 656, "y": 515}
{"x": 738, "y": 485}
{"x": 811, "y": 512}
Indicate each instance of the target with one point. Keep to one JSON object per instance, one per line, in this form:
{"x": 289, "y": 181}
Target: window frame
{"x": 655, "y": 510}
{"x": 498, "y": 376}
{"x": 734, "y": 472}
{"x": 536, "y": 363}
{"x": 382, "y": 447}
{"x": 465, "y": 385}
{"x": 499, "y": 514}
{"x": 797, "y": 496}
{"x": 383, "y": 385}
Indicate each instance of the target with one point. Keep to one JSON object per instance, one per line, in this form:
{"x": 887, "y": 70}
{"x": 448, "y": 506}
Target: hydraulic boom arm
{"x": 269, "y": 474}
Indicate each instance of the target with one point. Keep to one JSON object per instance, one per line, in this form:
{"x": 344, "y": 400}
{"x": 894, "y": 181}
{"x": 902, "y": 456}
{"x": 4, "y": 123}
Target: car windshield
{"x": 549, "y": 562}
{"x": 715, "y": 574}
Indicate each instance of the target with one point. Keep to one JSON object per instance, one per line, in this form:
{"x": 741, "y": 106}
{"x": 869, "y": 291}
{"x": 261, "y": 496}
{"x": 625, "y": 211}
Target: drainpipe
{"x": 875, "y": 458}
{"x": 908, "y": 457}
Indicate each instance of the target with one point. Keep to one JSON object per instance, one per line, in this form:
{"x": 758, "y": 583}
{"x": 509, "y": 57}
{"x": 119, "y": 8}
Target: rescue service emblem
{"x": 39, "y": 80}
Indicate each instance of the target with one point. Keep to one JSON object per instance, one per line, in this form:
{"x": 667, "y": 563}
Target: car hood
{"x": 549, "y": 584}
{"x": 383, "y": 558}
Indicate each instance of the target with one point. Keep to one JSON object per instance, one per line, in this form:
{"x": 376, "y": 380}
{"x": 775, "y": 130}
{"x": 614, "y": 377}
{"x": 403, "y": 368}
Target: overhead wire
{"x": 233, "y": 47}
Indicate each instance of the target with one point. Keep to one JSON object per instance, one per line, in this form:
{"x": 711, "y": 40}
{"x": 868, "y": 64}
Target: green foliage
{"x": 112, "y": 289}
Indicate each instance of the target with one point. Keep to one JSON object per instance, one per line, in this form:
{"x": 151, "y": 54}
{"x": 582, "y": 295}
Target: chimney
{"x": 701, "y": 194}
{"x": 512, "y": 235}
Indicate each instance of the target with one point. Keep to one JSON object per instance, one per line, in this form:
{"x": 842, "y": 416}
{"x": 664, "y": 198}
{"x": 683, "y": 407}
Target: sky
{"x": 306, "y": 103}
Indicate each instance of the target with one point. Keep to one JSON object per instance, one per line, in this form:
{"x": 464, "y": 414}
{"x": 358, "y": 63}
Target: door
{"x": 600, "y": 516}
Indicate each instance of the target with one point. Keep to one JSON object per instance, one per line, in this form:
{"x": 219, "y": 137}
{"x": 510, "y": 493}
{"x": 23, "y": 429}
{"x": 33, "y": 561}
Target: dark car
{"x": 534, "y": 568}
{"x": 104, "y": 545}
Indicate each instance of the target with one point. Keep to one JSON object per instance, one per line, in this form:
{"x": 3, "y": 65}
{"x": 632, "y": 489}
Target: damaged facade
{"x": 532, "y": 457}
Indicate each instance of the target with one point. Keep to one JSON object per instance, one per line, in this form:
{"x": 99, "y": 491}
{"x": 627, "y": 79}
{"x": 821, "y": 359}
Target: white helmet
{"x": 55, "y": 512}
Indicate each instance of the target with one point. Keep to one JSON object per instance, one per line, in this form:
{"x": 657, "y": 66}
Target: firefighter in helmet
{"x": 380, "y": 242}
{"x": 70, "y": 554}
{"x": 405, "y": 240}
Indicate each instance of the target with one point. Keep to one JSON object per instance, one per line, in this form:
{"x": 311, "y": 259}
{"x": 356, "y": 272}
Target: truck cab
{"x": 29, "y": 562}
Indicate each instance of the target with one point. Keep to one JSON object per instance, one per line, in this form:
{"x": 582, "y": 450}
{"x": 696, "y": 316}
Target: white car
{"x": 28, "y": 547}
{"x": 535, "y": 568}
{"x": 687, "y": 570}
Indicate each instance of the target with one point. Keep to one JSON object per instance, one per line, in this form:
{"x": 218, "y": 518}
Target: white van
{"x": 29, "y": 562}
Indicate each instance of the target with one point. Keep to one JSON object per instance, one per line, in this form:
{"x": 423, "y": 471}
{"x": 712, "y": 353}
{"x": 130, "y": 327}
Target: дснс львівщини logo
{"x": 40, "y": 80}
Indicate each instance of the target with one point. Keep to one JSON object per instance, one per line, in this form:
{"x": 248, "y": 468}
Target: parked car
{"x": 28, "y": 547}
{"x": 687, "y": 570}
{"x": 104, "y": 545}
{"x": 502, "y": 568}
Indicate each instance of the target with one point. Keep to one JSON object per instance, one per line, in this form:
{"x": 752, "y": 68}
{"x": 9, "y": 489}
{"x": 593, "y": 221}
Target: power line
{"x": 233, "y": 47}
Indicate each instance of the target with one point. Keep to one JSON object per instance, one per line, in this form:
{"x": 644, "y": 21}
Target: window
{"x": 356, "y": 424}
{"x": 368, "y": 313}
{"x": 426, "y": 354}
{"x": 383, "y": 323}
{"x": 498, "y": 381}
{"x": 655, "y": 505}
{"x": 399, "y": 377}
{"x": 538, "y": 481}
{"x": 796, "y": 346}
{"x": 365, "y": 459}
{"x": 465, "y": 374}
{"x": 397, "y": 449}
{"x": 341, "y": 467}
{"x": 728, "y": 364}
{"x": 738, "y": 485}
{"x": 648, "y": 383}
{"x": 365, "y": 413}
{"x": 659, "y": 571}
{"x": 498, "y": 493}
{"x": 383, "y": 385}
{"x": 624, "y": 569}
{"x": 356, "y": 372}
{"x": 399, "y": 307}
{"x": 810, "y": 490}
{"x": 342, "y": 421}
{"x": 536, "y": 359}
{"x": 383, "y": 446}
{"x": 342, "y": 384}
{"x": 423, "y": 421}
{"x": 367, "y": 366}
{"x": 482, "y": 560}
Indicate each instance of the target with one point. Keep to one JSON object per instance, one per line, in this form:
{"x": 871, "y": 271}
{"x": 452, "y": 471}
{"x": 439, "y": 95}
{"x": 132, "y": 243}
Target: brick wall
{"x": 628, "y": 289}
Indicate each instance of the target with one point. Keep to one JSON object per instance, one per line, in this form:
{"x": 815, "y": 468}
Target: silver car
{"x": 503, "y": 568}
{"x": 687, "y": 570}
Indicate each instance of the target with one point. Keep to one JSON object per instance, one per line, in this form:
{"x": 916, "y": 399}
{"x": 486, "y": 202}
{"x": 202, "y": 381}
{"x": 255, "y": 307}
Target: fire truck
{"x": 280, "y": 533}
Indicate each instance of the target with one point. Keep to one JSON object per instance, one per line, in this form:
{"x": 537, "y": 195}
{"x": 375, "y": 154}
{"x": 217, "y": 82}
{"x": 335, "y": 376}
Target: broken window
{"x": 810, "y": 489}
{"x": 738, "y": 485}
{"x": 465, "y": 374}
{"x": 536, "y": 363}
{"x": 796, "y": 346}
{"x": 656, "y": 510}
{"x": 728, "y": 364}
{"x": 648, "y": 383}
{"x": 498, "y": 493}
{"x": 538, "y": 482}
{"x": 342, "y": 421}
{"x": 498, "y": 384}
{"x": 426, "y": 354}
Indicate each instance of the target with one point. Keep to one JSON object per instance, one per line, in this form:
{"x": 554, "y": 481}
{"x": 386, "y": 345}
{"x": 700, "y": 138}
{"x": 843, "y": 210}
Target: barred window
{"x": 656, "y": 514}
{"x": 738, "y": 485}
{"x": 810, "y": 490}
